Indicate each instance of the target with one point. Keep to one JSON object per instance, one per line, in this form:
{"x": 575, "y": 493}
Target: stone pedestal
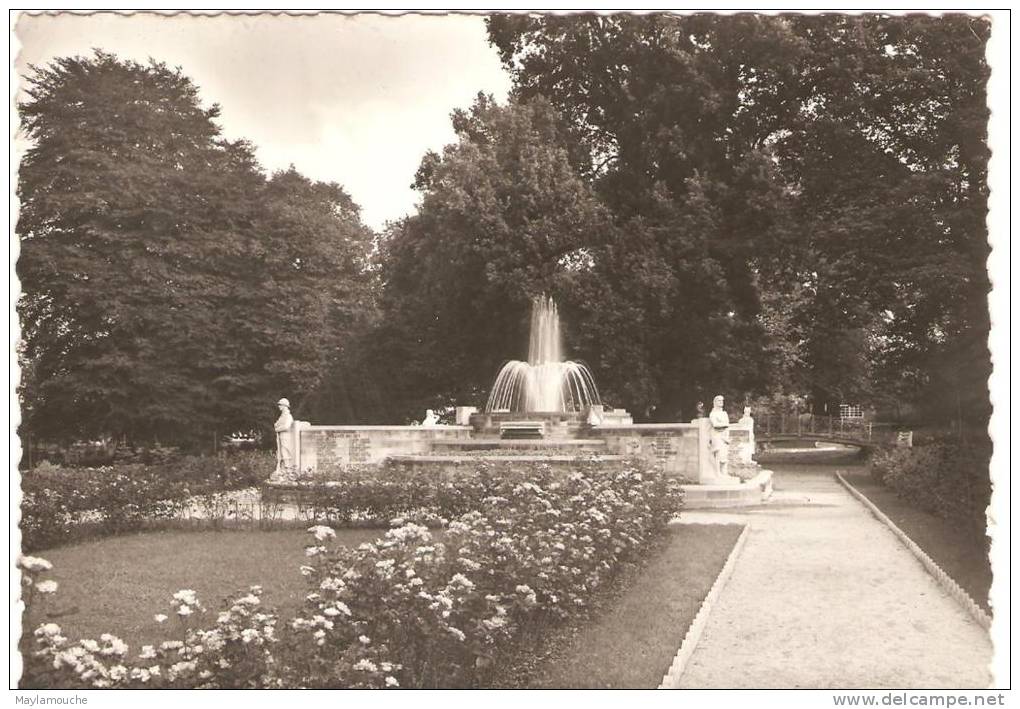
{"x": 463, "y": 415}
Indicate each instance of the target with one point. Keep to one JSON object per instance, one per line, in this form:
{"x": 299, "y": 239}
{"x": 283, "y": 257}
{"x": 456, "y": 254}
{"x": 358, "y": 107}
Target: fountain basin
{"x": 549, "y": 446}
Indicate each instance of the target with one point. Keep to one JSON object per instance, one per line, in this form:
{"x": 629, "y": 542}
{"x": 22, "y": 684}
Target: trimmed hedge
{"x": 372, "y": 495}
{"x": 945, "y": 476}
{"x": 59, "y": 505}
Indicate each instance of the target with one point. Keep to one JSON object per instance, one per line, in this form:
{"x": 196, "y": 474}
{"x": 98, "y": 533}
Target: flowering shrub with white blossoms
{"x": 441, "y": 611}
{"x": 408, "y": 610}
{"x": 235, "y": 653}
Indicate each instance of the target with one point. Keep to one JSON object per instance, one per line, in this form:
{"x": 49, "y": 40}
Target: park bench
{"x": 522, "y": 429}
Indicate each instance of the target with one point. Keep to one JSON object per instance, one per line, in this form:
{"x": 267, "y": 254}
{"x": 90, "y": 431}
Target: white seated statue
{"x": 430, "y": 418}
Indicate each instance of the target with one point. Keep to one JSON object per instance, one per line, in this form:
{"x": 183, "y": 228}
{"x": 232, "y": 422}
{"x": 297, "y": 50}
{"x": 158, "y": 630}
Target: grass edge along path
{"x": 951, "y": 586}
{"x": 632, "y": 637}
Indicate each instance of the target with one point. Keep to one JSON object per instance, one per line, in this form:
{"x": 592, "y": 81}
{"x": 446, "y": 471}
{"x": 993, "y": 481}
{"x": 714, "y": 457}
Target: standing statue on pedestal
{"x": 719, "y": 437}
{"x": 284, "y": 443}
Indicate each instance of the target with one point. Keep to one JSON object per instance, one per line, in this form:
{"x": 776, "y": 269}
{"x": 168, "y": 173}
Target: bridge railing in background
{"x": 833, "y": 427}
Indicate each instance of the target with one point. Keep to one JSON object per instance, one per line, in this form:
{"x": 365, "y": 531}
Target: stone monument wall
{"x": 677, "y": 447}
{"x": 340, "y": 446}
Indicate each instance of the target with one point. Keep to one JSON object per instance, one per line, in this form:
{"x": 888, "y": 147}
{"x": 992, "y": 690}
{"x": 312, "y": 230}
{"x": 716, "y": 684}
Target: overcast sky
{"x": 351, "y": 99}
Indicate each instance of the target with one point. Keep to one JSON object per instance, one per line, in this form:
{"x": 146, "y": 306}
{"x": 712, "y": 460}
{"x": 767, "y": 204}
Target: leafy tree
{"x": 503, "y": 217}
{"x": 836, "y": 163}
{"x": 168, "y": 290}
{"x": 659, "y": 105}
{"x": 888, "y": 161}
{"x": 318, "y": 302}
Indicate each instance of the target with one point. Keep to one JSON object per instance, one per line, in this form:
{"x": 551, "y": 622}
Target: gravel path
{"x": 824, "y": 596}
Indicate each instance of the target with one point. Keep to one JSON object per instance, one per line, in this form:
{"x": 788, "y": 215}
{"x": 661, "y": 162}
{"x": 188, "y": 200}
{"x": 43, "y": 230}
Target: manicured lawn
{"x": 630, "y": 639}
{"x": 116, "y": 585}
{"x": 961, "y": 554}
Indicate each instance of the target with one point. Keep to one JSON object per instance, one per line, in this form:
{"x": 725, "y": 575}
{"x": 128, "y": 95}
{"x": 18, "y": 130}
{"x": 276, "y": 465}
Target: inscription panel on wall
{"x": 664, "y": 446}
{"x": 342, "y": 448}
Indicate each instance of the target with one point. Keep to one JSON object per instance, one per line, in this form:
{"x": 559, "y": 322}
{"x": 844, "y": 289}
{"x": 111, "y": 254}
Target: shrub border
{"x": 941, "y": 577}
{"x": 671, "y": 680}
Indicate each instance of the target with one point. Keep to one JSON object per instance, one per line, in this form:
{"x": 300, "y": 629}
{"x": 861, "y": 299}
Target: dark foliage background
{"x": 747, "y": 204}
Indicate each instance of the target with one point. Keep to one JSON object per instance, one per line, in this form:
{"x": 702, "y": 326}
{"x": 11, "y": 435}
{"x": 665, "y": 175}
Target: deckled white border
{"x": 998, "y": 90}
{"x": 671, "y": 680}
{"x": 944, "y": 580}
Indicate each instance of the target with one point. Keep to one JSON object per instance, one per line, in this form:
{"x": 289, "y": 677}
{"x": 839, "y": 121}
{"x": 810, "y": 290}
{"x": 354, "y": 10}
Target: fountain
{"x": 544, "y": 409}
{"x": 544, "y": 383}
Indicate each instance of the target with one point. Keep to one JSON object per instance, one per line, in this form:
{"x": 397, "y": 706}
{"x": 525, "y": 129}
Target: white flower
{"x": 322, "y": 532}
{"x": 48, "y": 586}
{"x": 115, "y": 646}
{"x": 494, "y": 622}
{"x": 35, "y": 563}
{"x": 213, "y": 639}
{"x": 366, "y": 665}
{"x": 184, "y": 610}
{"x": 332, "y": 584}
{"x": 364, "y": 639}
{"x": 49, "y": 629}
{"x": 457, "y": 633}
{"x": 461, "y": 580}
{"x": 187, "y": 596}
{"x": 148, "y": 652}
{"x": 307, "y": 570}
{"x": 392, "y": 682}
{"x": 179, "y": 668}
{"x": 159, "y": 618}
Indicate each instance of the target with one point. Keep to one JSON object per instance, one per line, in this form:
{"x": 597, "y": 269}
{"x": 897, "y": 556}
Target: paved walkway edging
{"x": 944, "y": 580}
{"x": 671, "y": 680}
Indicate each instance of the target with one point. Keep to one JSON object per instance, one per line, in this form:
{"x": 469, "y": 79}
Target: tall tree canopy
{"x": 834, "y": 164}
{"x": 504, "y": 216}
{"x": 168, "y": 289}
